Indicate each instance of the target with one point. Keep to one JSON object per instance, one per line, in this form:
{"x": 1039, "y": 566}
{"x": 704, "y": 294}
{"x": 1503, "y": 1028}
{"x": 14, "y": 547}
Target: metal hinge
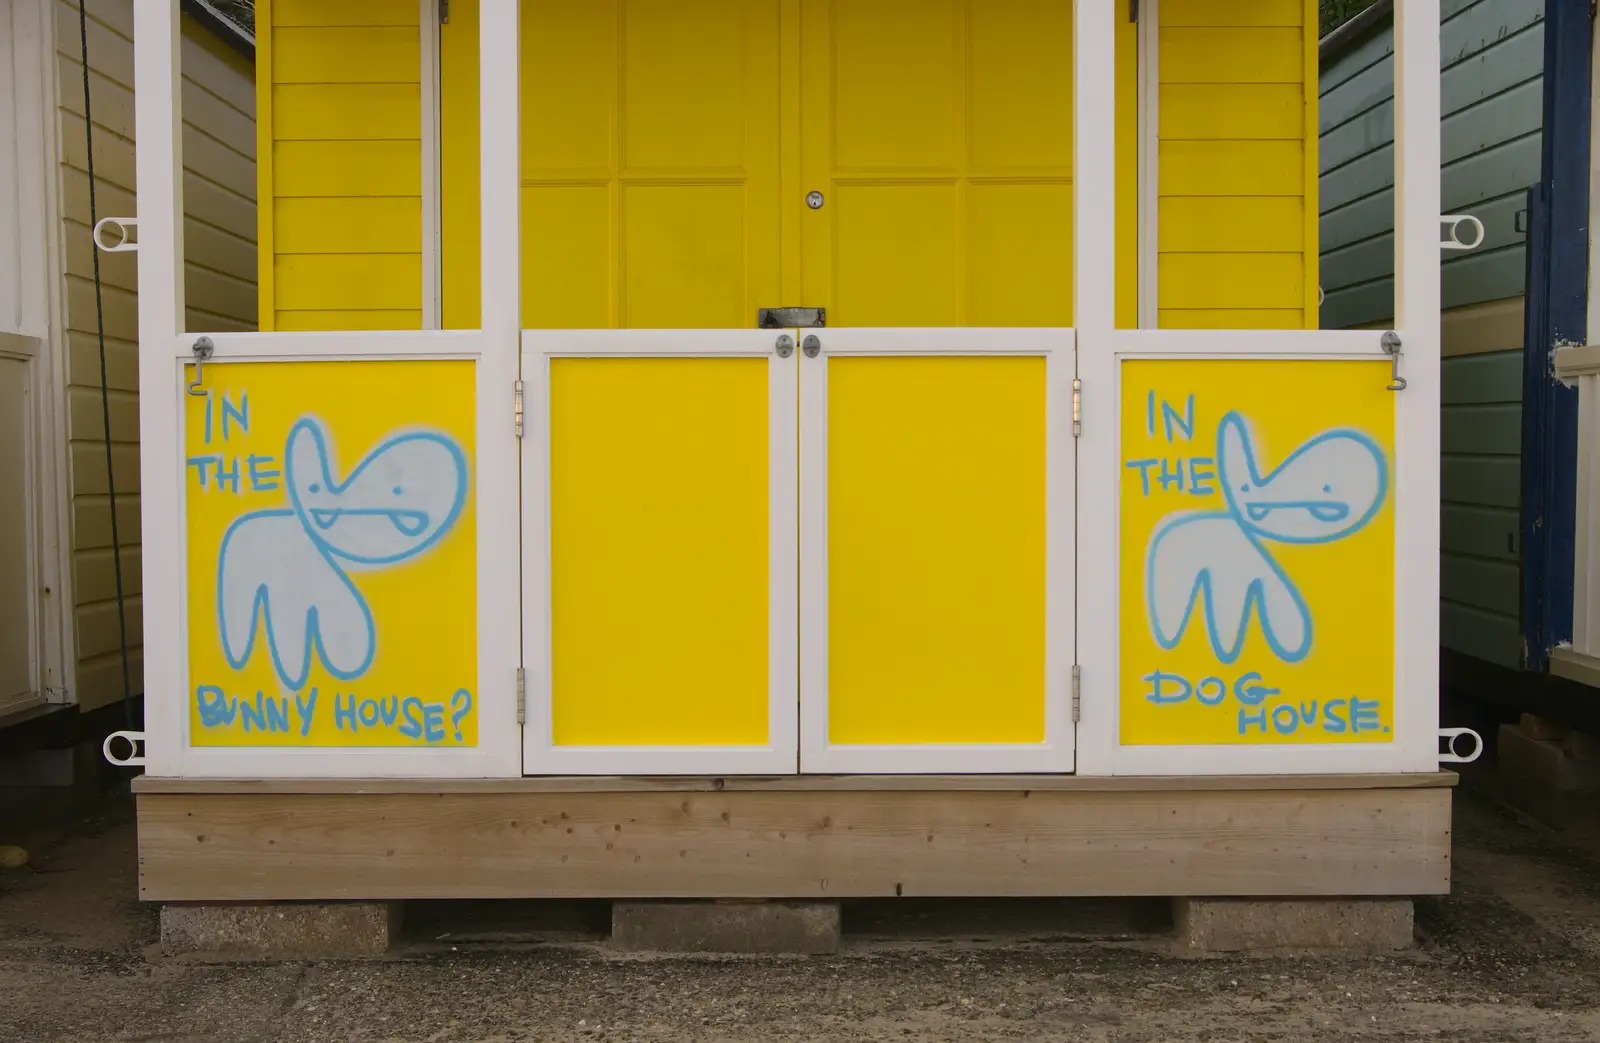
{"x": 517, "y": 403}
{"x": 1077, "y": 691}
{"x": 444, "y": 12}
{"x": 1077, "y": 407}
{"x": 522, "y": 696}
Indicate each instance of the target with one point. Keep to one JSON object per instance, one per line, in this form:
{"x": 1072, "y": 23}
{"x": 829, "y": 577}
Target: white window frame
{"x": 1102, "y": 348}
{"x": 165, "y": 348}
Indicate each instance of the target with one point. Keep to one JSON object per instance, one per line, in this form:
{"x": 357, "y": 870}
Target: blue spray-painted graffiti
{"x": 288, "y": 570}
{"x": 1327, "y": 489}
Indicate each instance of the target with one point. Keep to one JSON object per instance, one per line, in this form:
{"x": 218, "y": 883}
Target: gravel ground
{"x": 1512, "y": 955}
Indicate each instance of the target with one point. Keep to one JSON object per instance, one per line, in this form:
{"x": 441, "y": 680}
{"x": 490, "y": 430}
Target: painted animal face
{"x": 395, "y": 503}
{"x": 1329, "y": 487}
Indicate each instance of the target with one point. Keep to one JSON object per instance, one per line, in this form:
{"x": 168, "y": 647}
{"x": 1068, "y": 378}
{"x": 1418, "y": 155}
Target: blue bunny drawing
{"x": 290, "y": 568}
{"x": 1220, "y": 561}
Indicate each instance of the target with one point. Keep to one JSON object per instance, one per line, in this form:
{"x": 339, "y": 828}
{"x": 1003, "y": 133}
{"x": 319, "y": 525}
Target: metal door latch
{"x": 812, "y": 345}
{"x": 1391, "y": 347}
{"x": 203, "y": 349}
{"x": 785, "y": 345}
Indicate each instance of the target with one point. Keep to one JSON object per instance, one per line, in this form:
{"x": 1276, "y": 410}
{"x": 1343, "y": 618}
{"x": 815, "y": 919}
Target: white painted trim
{"x": 432, "y": 299}
{"x": 1361, "y": 344}
{"x": 1585, "y": 373}
{"x": 263, "y": 347}
{"x": 1149, "y": 163}
{"x": 158, "y": 118}
{"x": 1568, "y": 662}
{"x": 778, "y": 755}
{"x": 1055, "y": 753}
{"x": 1417, "y": 305}
{"x": 1577, "y": 360}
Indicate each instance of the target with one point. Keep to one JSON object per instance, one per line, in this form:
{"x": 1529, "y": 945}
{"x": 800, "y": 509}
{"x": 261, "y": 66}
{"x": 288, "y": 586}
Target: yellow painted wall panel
{"x": 1232, "y": 224}
{"x": 346, "y": 111}
{"x": 1233, "y": 168}
{"x": 896, "y": 261}
{"x": 336, "y": 54}
{"x": 1235, "y": 54}
{"x": 658, "y": 542}
{"x": 1231, "y": 319}
{"x": 1232, "y": 110}
{"x": 342, "y": 12}
{"x": 895, "y": 95}
{"x": 360, "y": 225}
{"x": 347, "y": 168}
{"x": 1020, "y": 110}
{"x": 459, "y": 254}
{"x": 1233, "y": 12}
{"x": 398, "y": 319}
{"x": 683, "y": 257}
{"x": 1015, "y": 233}
{"x": 568, "y": 259}
{"x": 570, "y": 65}
{"x": 676, "y": 64}
{"x": 936, "y": 550}
{"x": 335, "y": 282}
{"x": 1218, "y": 280}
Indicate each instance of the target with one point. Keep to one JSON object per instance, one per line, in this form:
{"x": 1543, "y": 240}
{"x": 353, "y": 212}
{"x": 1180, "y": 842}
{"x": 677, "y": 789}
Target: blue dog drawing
{"x": 1327, "y": 489}
{"x": 291, "y": 567}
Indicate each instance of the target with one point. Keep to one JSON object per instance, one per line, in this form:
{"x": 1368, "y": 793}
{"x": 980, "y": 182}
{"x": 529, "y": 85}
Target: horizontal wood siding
{"x": 1237, "y": 245}
{"x": 219, "y": 284}
{"x": 343, "y": 83}
{"x": 1491, "y": 88}
{"x": 1480, "y": 520}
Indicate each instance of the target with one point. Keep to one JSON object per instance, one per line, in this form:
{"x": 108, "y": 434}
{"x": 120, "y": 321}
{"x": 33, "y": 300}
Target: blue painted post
{"x": 1557, "y": 305}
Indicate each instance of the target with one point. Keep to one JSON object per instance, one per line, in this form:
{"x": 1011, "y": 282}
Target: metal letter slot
{"x": 789, "y": 318}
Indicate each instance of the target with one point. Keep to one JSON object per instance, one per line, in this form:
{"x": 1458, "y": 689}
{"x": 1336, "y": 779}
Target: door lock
{"x": 785, "y": 346}
{"x": 812, "y": 345}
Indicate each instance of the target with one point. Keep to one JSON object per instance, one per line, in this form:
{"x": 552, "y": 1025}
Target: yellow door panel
{"x": 936, "y": 550}
{"x": 650, "y": 162}
{"x": 659, "y": 555}
{"x": 940, "y": 135}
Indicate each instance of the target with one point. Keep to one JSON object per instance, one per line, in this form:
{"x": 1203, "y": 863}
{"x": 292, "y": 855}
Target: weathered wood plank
{"x": 796, "y": 844}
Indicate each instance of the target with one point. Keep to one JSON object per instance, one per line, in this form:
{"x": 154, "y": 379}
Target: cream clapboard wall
{"x": 341, "y": 127}
{"x": 1237, "y": 217}
{"x": 219, "y": 283}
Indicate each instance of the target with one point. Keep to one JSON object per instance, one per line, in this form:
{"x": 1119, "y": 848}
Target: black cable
{"x": 105, "y": 394}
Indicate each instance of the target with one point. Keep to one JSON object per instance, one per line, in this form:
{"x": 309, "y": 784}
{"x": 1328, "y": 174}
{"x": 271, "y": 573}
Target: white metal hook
{"x": 135, "y": 741}
{"x": 125, "y": 241}
{"x": 1454, "y": 240}
{"x": 1449, "y": 755}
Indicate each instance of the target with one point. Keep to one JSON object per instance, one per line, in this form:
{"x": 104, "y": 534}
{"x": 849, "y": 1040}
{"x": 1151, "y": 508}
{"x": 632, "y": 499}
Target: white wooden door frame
{"x": 541, "y": 755}
{"x": 1056, "y": 752}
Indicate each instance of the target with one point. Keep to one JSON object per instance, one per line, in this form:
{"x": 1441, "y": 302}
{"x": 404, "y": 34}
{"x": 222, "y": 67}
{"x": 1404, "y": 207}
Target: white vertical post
{"x": 1417, "y": 302}
{"x": 158, "y": 117}
{"x": 499, "y": 502}
{"x": 1094, "y": 315}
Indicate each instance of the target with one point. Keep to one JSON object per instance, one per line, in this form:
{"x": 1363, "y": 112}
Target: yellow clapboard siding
{"x": 347, "y": 168}
{"x": 658, "y": 550}
{"x": 1232, "y": 110}
{"x": 336, "y": 282}
{"x": 336, "y": 54}
{"x": 1235, "y": 54}
{"x": 1233, "y": 168}
{"x": 936, "y": 550}
{"x": 1232, "y": 224}
{"x": 346, "y": 111}
{"x": 342, "y": 12}
{"x": 1232, "y": 12}
{"x": 1231, "y": 319}
{"x": 1235, "y": 280}
{"x": 362, "y": 225}
{"x": 350, "y": 320}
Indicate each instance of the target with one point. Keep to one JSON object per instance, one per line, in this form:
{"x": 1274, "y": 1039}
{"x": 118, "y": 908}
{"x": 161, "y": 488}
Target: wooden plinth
{"x": 794, "y": 837}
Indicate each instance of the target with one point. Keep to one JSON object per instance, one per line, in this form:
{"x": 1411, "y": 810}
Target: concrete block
{"x": 1544, "y": 762}
{"x": 1536, "y": 727}
{"x": 1237, "y": 924}
{"x": 281, "y": 928}
{"x": 729, "y": 927}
